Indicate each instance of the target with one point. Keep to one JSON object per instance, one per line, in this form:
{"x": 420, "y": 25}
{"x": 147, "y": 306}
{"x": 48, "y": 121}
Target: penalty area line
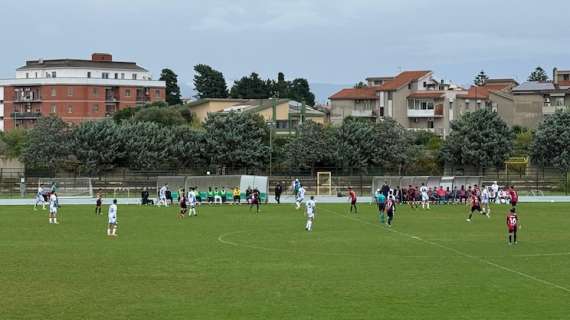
{"x": 461, "y": 253}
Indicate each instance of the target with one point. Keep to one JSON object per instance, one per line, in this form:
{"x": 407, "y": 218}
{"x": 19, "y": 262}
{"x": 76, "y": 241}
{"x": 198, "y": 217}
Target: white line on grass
{"x": 222, "y": 239}
{"x": 466, "y": 255}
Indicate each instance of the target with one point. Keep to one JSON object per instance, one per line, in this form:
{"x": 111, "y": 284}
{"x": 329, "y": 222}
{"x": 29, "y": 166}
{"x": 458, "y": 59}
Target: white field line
{"x": 222, "y": 239}
{"x": 466, "y": 255}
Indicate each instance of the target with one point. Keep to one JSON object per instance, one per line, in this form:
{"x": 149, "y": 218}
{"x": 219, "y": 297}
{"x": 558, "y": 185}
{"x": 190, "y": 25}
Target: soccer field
{"x": 229, "y": 263}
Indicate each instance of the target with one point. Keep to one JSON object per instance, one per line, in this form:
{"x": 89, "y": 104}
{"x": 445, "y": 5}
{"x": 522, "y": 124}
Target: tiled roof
{"x": 534, "y": 86}
{"x": 426, "y": 94}
{"x": 564, "y": 83}
{"x": 368, "y": 93}
{"x": 482, "y": 92}
{"x": 402, "y": 79}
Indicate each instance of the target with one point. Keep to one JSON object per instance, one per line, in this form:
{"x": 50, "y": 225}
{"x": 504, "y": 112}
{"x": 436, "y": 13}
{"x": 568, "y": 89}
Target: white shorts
{"x": 311, "y": 215}
{"x": 425, "y": 197}
{"x": 485, "y": 201}
{"x": 40, "y": 198}
{"x": 53, "y": 210}
{"x": 300, "y": 199}
{"x": 112, "y": 221}
{"x": 162, "y": 198}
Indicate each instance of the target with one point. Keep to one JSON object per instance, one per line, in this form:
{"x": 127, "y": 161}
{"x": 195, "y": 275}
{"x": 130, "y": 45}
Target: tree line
{"x": 210, "y": 83}
{"x": 241, "y": 141}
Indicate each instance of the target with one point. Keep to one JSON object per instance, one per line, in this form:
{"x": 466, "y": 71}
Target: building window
{"x": 36, "y": 75}
{"x": 27, "y": 75}
{"x": 70, "y": 91}
{"x": 127, "y": 92}
{"x": 53, "y": 108}
{"x": 53, "y": 92}
{"x": 157, "y": 92}
{"x": 566, "y": 77}
{"x": 105, "y": 75}
{"x": 69, "y": 109}
{"x": 95, "y": 108}
{"x": 122, "y": 76}
{"x": 116, "y": 76}
{"x": 134, "y": 76}
{"x": 95, "y": 92}
{"x": 88, "y": 74}
{"x": 53, "y": 74}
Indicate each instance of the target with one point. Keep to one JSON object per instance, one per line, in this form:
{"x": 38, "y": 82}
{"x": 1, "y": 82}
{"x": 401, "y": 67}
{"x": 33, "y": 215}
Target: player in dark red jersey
{"x": 514, "y": 196}
{"x": 390, "y": 208}
{"x": 255, "y": 195}
{"x": 512, "y": 225}
{"x": 183, "y": 205}
{"x": 99, "y": 202}
{"x": 412, "y": 197}
{"x": 352, "y": 199}
{"x": 475, "y": 205}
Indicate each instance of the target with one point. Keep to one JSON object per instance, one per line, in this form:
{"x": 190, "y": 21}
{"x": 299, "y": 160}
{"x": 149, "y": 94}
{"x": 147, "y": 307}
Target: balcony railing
{"x": 111, "y": 98}
{"x": 27, "y": 98}
{"x": 548, "y": 109}
{"x": 438, "y": 131}
{"x": 362, "y": 113}
{"x": 26, "y": 115}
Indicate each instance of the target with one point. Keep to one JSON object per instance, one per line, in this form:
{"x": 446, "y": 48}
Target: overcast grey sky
{"x": 325, "y": 41}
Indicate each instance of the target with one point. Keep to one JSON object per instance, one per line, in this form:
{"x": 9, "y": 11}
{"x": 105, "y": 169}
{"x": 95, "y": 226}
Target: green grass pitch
{"x": 229, "y": 263}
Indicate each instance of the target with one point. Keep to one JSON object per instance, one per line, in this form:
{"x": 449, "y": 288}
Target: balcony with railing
{"x": 437, "y": 131}
{"x": 27, "y": 95}
{"x": 25, "y": 115}
{"x": 548, "y": 109}
{"x": 424, "y": 109}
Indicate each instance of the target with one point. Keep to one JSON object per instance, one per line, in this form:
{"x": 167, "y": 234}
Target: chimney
{"x": 555, "y": 75}
{"x": 101, "y": 57}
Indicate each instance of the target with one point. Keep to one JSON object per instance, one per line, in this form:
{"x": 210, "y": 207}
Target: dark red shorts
{"x": 353, "y": 202}
{"x": 514, "y": 203}
{"x": 513, "y": 230}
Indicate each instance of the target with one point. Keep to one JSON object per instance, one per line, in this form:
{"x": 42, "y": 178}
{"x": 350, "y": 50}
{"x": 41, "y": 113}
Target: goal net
{"x": 68, "y": 187}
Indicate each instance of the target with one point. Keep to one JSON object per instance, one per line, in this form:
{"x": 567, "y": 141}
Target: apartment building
{"x": 76, "y": 90}
{"x": 415, "y": 99}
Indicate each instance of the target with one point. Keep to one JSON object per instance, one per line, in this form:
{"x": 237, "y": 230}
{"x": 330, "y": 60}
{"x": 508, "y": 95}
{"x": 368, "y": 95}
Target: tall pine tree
{"x": 209, "y": 83}
{"x": 172, "y": 88}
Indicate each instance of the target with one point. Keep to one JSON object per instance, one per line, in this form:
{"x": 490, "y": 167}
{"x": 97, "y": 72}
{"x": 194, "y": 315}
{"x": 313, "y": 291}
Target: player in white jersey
{"x": 112, "y": 228}
{"x": 300, "y": 197}
{"x": 495, "y": 192}
{"x": 485, "y": 199}
{"x": 425, "y": 196}
{"x": 192, "y": 202}
{"x": 311, "y": 208}
{"x": 162, "y": 196}
{"x": 53, "y": 208}
{"x": 40, "y": 199}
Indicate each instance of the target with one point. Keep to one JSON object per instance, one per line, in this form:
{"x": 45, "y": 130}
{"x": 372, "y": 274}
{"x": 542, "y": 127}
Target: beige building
{"x": 413, "y": 98}
{"x": 287, "y": 113}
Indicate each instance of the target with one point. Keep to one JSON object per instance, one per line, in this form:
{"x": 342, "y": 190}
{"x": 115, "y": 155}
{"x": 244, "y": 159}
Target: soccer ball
{"x": 207, "y": 173}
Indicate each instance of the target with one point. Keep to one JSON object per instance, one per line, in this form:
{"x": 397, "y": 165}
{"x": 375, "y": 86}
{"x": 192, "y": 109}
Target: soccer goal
{"x": 68, "y": 187}
{"x": 324, "y": 183}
